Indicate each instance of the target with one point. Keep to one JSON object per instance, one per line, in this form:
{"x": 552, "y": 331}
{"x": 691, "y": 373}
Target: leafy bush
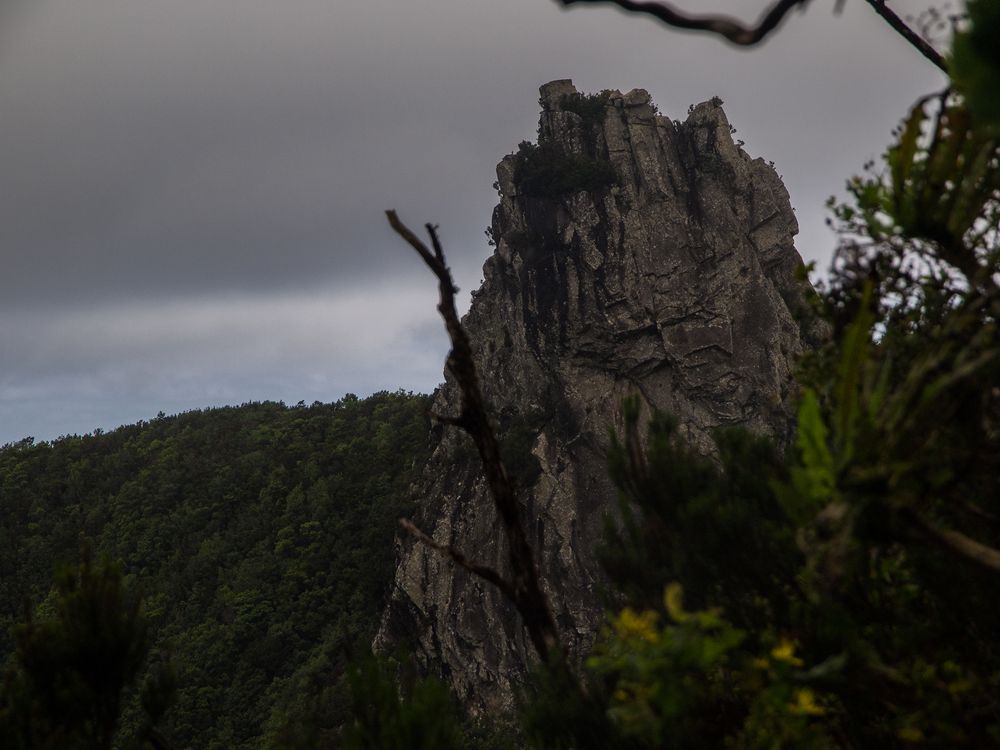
{"x": 545, "y": 171}
{"x": 590, "y": 107}
{"x": 420, "y": 714}
{"x": 516, "y": 445}
{"x": 75, "y": 659}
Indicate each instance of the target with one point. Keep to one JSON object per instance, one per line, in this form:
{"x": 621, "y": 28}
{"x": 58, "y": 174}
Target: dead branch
{"x": 523, "y": 589}
{"x": 747, "y": 36}
{"x": 724, "y": 26}
{"x": 978, "y": 513}
{"x": 483, "y": 571}
{"x": 956, "y": 542}
{"x": 916, "y": 41}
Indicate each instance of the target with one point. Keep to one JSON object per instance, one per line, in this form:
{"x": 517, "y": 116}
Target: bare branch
{"x": 724, "y": 26}
{"x": 483, "y": 571}
{"x": 918, "y": 42}
{"x": 978, "y": 513}
{"x": 958, "y": 543}
{"x": 459, "y": 421}
{"x": 523, "y": 589}
{"x": 747, "y": 36}
{"x": 403, "y": 231}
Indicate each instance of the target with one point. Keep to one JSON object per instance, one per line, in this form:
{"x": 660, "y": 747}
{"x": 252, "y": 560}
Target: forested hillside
{"x": 261, "y": 536}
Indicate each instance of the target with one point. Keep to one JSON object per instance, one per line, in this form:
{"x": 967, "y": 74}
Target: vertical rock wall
{"x": 677, "y": 284}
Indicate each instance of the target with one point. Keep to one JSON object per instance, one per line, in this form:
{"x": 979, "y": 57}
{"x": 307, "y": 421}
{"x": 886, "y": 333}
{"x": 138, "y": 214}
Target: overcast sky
{"x": 192, "y": 191}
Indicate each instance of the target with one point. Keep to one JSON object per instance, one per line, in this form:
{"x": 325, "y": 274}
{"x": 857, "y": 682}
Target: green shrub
{"x": 419, "y": 714}
{"x": 515, "y": 446}
{"x": 590, "y": 107}
{"x": 544, "y": 171}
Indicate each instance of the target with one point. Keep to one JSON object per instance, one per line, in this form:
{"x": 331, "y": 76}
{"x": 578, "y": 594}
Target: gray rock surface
{"x": 676, "y": 284}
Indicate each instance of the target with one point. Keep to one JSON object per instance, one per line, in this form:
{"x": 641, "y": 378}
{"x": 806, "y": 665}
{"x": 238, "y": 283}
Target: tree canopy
{"x": 259, "y": 536}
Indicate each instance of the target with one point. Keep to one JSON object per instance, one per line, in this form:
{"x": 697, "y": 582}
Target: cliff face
{"x": 671, "y": 277}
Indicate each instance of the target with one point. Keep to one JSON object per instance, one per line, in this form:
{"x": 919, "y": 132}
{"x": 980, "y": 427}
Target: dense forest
{"x": 258, "y": 534}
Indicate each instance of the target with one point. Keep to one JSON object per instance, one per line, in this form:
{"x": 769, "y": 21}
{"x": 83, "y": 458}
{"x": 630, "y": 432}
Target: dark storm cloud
{"x": 138, "y": 161}
{"x": 181, "y": 180}
{"x": 161, "y": 148}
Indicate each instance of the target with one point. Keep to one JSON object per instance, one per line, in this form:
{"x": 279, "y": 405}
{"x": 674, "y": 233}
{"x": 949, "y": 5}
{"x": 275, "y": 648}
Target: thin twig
{"x": 523, "y": 589}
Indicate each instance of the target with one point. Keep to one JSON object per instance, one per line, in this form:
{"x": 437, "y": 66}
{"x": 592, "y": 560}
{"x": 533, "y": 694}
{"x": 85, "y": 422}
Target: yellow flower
{"x": 910, "y": 734}
{"x": 761, "y": 663}
{"x": 673, "y": 600}
{"x": 629, "y": 624}
{"x": 805, "y": 704}
{"x": 960, "y": 686}
{"x": 785, "y": 651}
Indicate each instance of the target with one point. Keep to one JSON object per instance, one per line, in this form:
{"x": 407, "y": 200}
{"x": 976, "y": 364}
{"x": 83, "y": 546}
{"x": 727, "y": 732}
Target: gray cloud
{"x": 163, "y": 156}
{"x": 191, "y": 353}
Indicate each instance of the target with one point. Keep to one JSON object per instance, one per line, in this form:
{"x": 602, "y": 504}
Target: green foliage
{"x": 516, "y": 448}
{"x": 65, "y": 686}
{"x": 804, "y": 632}
{"x": 556, "y": 714}
{"x": 517, "y": 435}
{"x": 688, "y": 683}
{"x": 314, "y": 702}
{"x": 975, "y": 62}
{"x": 683, "y": 520}
{"x": 660, "y": 674}
{"x": 590, "y": 107}
{"x": 261, "y": 535}
{"x": 813, "y": 480}
{"x": 545, "y": 171}
{"x": 940, "y": 186}
{"x": 900, "y": 550}
{"x": 409, "y": 714}
{"x": 914, "y": 303}
{"x": 727, "y": 671}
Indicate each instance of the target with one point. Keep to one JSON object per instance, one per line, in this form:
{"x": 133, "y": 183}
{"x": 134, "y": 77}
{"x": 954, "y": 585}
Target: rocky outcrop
{"x": 634, "y": 255}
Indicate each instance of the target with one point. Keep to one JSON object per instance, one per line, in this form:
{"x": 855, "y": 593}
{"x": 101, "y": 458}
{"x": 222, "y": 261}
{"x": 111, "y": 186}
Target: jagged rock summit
{"x": 634, "y": 255}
